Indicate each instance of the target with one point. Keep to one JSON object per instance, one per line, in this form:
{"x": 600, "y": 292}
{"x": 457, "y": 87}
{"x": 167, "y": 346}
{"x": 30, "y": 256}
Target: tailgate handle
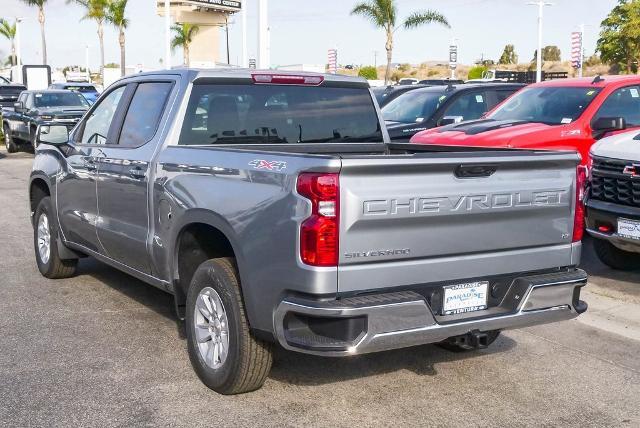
{"x": 475, "y": 171}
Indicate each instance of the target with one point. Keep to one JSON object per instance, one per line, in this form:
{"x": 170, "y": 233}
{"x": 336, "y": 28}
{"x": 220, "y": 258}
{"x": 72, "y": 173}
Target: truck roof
{"x": 590, "y": 81}
{"x": 246, "y": 73}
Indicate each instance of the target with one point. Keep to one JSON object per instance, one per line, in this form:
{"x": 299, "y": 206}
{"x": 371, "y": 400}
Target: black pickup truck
{"x": 34, "y": 108}
{"x": 9, "y": 93}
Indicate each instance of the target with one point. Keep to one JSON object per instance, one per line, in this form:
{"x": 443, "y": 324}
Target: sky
{"x": 303, "y": 30}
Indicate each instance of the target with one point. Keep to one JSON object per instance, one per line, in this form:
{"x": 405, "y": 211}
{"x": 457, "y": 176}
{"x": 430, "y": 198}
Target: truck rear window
{"x": 279, "y": 114}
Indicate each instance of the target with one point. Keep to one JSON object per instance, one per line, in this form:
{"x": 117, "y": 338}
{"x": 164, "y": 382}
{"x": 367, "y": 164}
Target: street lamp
{"x": 167, "y": 29}
{"x": 18, "y": 45}
{"x": 541, "y": 4}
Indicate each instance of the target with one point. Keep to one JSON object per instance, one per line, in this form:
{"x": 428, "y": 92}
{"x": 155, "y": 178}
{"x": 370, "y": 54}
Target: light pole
{"x": 541, "y": 4}
{"x": 245, "y": 58}
{"x": 264, "y": 62}
{"x": 167, "y": 29}
{"x": 18, "y": 45}
{"x": 86, "y": 63}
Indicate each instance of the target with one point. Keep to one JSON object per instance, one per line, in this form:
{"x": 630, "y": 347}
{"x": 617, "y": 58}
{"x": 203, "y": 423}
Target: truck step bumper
{"x": 371, "y": 323}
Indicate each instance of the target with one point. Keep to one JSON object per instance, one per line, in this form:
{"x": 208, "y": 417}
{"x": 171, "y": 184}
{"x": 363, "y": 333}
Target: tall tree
{"x": 116, "y": 16}
{"x": 41, "y": 19}
{"x": 549, "y": 53}
{"x": 619, "y": 42}
{"x": 182, "y": 37}
{"x": 384, "y": 13}
{"x": 8, "y": 31}
{"x": 96, "y": 10}
{"x": 509, "y": 55}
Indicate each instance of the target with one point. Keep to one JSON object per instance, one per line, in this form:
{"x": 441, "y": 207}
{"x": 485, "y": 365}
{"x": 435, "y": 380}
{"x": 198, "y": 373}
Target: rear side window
{"x": 279, "y": 114}
{"x": 144, "y": 113}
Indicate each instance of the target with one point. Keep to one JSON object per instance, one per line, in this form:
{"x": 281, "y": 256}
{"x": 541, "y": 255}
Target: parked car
{"x": 441, "y": 82}
{"x": 429, "y": 107}
{"x": 385, "y": 94}
{"x": 565, "y": 114}
{"x": 275, "y": 209}
{"x": 408, "y": 81}
{"x": 613, "y": 204}
{"x": 35, "y": 108}
{"x": 9, "y": 94}
{"x": 88, "y": 90}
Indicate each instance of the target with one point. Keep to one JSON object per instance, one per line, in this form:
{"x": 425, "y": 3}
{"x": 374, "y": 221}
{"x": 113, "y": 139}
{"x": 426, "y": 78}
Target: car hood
{"x": 625, "y": 146}
{"x": 483, "y": 132}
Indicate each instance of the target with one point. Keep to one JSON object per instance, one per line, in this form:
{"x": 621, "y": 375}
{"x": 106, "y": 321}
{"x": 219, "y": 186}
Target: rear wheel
{"x": 8, "y": 139}
{"x": 222, "y": 350}
{"x": 614, "y": 257}
{"x": 45, "y": 237}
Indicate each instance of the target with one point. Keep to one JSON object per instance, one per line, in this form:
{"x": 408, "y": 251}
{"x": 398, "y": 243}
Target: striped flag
{"x": 576, "y": 49}
{"x": 333, "y": 61}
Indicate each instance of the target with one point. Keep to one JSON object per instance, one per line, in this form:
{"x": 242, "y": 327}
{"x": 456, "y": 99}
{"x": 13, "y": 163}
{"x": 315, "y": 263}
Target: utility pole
{"x": 226, "y": 30}
{"x": 581, "y": 51}
{"x": 375, "y": 59}
{"x": 167, "y": 29}
{"x": 541, "y": 4}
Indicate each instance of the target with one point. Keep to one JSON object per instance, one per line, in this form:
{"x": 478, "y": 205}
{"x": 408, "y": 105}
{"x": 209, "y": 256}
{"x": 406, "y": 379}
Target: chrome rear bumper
{"x": 401, "y": 319}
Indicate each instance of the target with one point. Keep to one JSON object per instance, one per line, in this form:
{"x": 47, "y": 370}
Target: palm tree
{"x": 383, "y": 14}
{"x": 183, "y": 36}
{"x": 96, "y": 10}
{"x": 9, "y": 32}
{"x": 116, "y": 17}
{"x": 40, "y": 5}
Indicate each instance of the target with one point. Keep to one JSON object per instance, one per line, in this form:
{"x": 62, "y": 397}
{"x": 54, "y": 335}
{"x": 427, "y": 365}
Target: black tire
{"x": 461, "y": 343}
{"x": 614, "y": 257}
{"x": 54, "y": 267}
{"x": 9, "y": 142}
{"x": 249, "y": 359}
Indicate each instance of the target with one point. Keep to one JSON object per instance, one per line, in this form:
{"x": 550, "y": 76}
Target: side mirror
{"x": 19, "y": 106}
{"x": 56, "y": 135}
{"x": 450, "y": 120}
{"x": 606, "y": 124}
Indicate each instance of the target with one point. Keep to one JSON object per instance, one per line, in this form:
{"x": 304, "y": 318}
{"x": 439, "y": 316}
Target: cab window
{"x": 468, "y": 106}
{"x": 96, "y": 127}
{"x": 625, "y": 103}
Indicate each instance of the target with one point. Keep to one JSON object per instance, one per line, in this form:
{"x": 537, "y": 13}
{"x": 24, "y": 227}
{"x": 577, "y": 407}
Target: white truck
{"x": 613, "y": 204}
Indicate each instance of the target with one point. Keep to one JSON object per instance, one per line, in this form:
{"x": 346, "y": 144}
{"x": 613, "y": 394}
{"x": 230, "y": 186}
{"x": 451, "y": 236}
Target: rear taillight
{"x": 319, "y": 232}
{"x": 581, "y": 185}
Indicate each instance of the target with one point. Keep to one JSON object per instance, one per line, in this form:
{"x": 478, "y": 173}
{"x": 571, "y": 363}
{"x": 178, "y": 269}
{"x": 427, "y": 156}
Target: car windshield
{"x": 287, "y": 114}
{"x": 81, "y": 89}
{"x": 60, "y": 99}
{"x": 414, "y": 106}
{"x": 550, "y": 105}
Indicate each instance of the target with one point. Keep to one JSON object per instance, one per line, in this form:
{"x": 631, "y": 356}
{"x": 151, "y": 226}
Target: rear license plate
{"x": 629, "y": 228}
{"x": 463, "y": 298}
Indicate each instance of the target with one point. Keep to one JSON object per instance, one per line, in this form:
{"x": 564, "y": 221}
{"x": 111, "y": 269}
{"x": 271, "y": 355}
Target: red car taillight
{"x": 581, "y": 186}
{"x": 319, "y": 232}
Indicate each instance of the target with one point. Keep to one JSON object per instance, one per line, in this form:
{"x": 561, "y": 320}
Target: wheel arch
{"x": 201, "y": 235}
{"x": 38, "y": 188}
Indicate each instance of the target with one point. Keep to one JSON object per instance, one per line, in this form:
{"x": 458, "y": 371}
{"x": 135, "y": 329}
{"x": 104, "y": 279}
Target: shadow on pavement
{"x": 302, "y": 369}
{"x": 628, "y": 282}
{"x": 291, "y": 367}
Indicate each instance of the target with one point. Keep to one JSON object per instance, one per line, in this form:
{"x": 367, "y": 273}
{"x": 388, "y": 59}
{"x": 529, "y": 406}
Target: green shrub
{"x": 368, "y": 72}
{"x": 477, "y": 72}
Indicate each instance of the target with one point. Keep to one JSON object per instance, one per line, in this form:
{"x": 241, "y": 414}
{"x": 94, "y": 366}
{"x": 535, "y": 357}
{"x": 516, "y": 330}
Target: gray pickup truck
{"x": 275, "y": 210}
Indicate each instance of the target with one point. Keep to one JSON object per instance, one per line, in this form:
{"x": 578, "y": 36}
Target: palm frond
{"x": 417, "y": 19}
{"x": 371, "y": 12}
{"x": 116, "y": 13}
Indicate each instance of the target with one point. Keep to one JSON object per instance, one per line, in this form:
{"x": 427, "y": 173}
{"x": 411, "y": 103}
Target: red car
{"x": 558, "y": 115}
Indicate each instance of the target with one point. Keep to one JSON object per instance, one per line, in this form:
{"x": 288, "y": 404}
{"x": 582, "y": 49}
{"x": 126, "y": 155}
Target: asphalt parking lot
{"x": 102, "y": 349}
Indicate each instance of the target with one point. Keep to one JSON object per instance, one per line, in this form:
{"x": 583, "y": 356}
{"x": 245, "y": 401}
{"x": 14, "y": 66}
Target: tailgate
{"x": 408, "y": 220}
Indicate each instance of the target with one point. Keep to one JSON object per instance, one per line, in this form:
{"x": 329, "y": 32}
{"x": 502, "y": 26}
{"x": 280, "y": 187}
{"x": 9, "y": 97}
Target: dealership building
{"x": 213, "y": 17}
